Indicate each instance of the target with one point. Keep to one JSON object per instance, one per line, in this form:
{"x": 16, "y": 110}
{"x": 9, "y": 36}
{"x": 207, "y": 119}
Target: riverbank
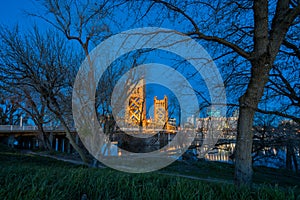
{"x": 28, "y": 176}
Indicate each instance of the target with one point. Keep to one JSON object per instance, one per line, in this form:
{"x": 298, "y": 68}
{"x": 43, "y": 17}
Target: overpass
{"x": 28, "y": 137}
{"x": 6, "y": 130}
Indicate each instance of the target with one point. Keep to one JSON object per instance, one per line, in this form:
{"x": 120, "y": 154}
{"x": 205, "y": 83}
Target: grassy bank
{"x": 34, "y": 177}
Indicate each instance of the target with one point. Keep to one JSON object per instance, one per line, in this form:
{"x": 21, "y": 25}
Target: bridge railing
{"x": 17, "y": 128}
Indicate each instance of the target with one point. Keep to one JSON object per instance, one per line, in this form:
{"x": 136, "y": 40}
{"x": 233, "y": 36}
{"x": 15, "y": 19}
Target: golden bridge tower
{"x": 136, "y": 108}
{"x": 161, "y": 112}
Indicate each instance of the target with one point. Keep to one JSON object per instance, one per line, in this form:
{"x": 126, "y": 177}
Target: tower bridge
{"x": 135, "y": 110}
{"x": 136, "y": 124}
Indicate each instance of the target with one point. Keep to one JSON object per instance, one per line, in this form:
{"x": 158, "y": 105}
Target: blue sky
{"x": 12, "y": 12}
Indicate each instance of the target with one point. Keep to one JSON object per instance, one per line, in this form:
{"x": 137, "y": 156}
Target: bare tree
{"x": 33, "y": 104}
{"x": 40, "y": 65}
{"x": 86, "y": 23}
{"x": 253, "y": 30}
{"x": 25, "y": 99}
{"x": 10, "y": 113}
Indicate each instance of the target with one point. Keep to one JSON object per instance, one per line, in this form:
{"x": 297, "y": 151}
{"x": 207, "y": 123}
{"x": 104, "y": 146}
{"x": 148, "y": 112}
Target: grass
{"x": 34, "y": 177}
{"x": 217, "y": 170}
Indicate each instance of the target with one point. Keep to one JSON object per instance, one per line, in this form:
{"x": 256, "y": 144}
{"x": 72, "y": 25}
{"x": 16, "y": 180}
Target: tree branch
{"x": 200, "y": 35}
{"x": 292, "y": 47}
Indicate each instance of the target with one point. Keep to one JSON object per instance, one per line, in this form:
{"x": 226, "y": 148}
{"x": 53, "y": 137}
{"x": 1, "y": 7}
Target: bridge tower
{"x": 161, "y": 112}
{"x": 136, "y": 108}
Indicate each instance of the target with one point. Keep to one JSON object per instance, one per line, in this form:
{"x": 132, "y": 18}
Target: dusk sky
{"x": 12, "y": 12}
{"x": 204, "y": 95}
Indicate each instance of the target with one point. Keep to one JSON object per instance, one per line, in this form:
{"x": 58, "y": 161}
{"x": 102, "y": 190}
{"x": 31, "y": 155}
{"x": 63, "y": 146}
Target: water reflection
{"x": 221, "y": 153}
{"x": 269, "y": 156}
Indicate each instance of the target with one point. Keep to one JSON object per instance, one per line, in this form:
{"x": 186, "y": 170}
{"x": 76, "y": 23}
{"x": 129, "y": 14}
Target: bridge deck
{"x": 6, "y": 130}
{"x": 33, "y": 130}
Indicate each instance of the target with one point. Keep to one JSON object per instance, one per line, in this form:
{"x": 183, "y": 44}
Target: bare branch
{"x": 199, "y": 35}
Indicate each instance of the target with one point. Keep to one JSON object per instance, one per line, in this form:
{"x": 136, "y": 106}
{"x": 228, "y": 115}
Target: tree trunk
{"x": 295, "y": 160}
{"x": 77, "y": 148}
{"x": 266, "y": 46}
{"x": 288, "y": 159}
{"x": 73, "y": 143}
{"x": 69, "y": 136}
{"x": 248, "y": 103}
{"x": 44, "y": 137}
{"x": 243, "y": 157}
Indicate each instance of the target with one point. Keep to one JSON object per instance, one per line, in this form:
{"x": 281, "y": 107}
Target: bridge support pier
{"x": 62, "y": 145}
{"x": 56, "y": 144}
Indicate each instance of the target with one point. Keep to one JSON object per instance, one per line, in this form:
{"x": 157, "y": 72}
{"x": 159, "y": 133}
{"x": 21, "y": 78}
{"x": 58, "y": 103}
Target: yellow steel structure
{"x": 161, "y": 112}
{"x": 135, "y": 114}
{"x": 136, "y": 107}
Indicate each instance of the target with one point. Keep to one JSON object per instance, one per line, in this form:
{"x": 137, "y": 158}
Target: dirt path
{"x": 77, "y": 162}
{"x": 211, "y": 180}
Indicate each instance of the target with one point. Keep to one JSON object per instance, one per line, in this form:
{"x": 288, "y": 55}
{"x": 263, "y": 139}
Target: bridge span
{"x": 30, "y": 130}
{"x": 29, "y": 137}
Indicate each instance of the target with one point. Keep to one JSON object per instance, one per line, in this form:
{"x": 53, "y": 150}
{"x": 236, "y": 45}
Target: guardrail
{"x": 16, "y": 128}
